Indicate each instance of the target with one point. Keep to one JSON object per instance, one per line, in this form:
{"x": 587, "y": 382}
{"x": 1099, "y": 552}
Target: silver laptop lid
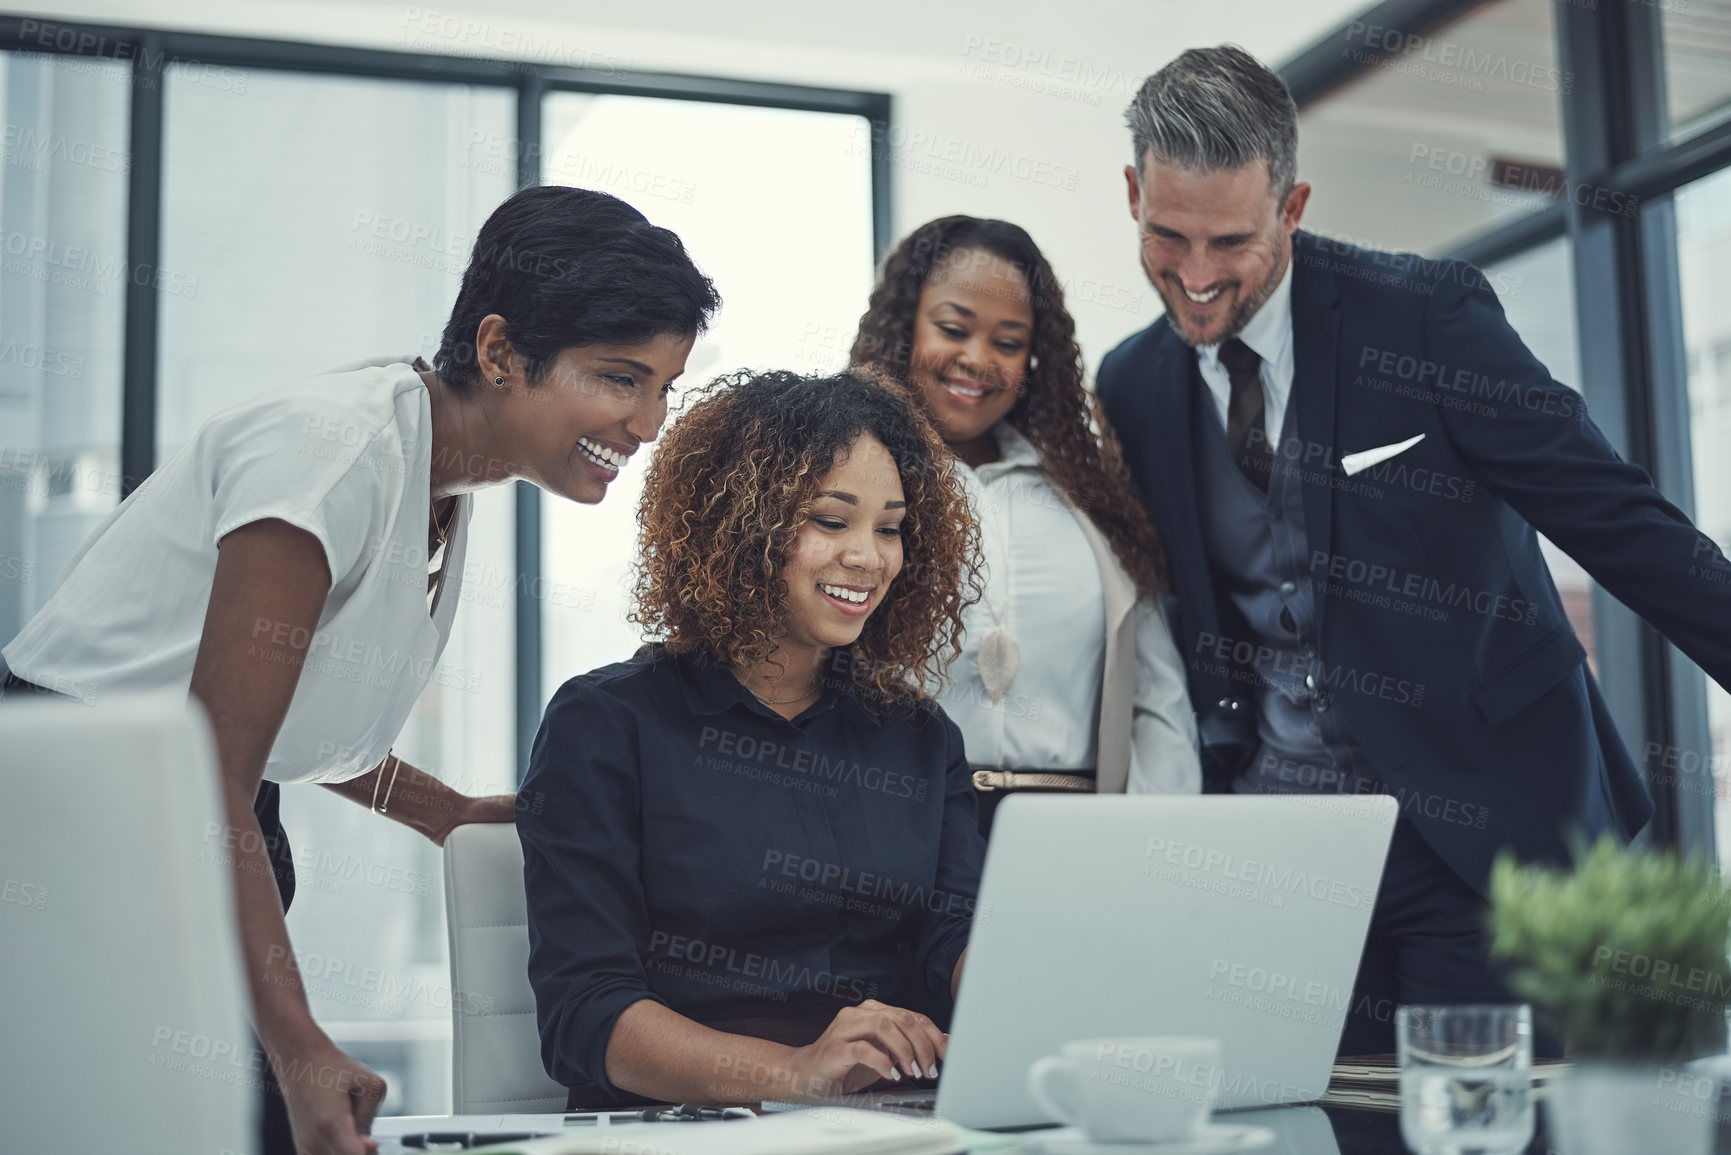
{"x": 1241, "y": 918}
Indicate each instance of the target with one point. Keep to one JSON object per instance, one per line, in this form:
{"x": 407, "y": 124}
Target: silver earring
{"x": 499, "y": 381}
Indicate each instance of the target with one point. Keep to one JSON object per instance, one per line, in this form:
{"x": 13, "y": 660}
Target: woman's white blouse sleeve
{"x": 1163, "y": 758}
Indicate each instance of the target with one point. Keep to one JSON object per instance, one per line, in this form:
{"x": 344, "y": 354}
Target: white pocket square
{"x": 1365, "y": 458}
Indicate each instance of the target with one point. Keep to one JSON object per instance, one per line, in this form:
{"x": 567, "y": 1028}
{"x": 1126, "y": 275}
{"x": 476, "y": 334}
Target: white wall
{"x": 1013, "y": 110}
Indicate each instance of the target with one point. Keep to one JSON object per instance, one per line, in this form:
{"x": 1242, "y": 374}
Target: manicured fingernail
{"x": 895, "y": 1075}
{"x": 917, "y": 1073}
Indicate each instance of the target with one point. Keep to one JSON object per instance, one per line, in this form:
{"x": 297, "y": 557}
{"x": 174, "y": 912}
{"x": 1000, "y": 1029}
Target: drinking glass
{"x": 1466, "y": 1079}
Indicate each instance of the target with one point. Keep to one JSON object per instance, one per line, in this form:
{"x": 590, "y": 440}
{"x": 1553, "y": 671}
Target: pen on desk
{"x": 462, "y": 1140}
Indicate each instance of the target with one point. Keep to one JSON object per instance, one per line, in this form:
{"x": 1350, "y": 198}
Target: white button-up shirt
{"x": 1042, "y": 580}
{"x": 1269, "y": 335}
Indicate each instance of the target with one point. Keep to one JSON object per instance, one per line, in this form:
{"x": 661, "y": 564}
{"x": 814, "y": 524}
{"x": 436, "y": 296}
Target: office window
{"x": 1451, "y": 134}
{"x": 1537, "y": 289}
{"x": 775, "y": 206}
{"x": 64, "y": 163}
{"x": 1697, "y": 44}
{"x": 309, "y": 222}
{"x": 1704, "y": 267}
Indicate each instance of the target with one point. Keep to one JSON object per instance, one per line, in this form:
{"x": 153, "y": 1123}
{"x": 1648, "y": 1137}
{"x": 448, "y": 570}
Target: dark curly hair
{"x": 1053, "y": 409}
{"x": 570, "y": 266}
{"x": 730, "y": 486}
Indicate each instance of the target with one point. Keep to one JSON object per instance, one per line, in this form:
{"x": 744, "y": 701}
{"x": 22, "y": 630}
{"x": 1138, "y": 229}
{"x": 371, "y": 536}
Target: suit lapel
{"x": 1315, "y": 355}
{"x": 1175, "y": 495}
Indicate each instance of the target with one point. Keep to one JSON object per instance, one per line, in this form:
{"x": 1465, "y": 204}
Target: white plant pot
{"x": 1621, "y": 1109}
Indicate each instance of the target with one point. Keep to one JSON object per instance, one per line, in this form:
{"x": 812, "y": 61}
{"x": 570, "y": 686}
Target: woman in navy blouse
{"x": 754, "y": 852}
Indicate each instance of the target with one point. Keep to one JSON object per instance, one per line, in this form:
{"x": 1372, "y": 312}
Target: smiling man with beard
{"x": 1288, "y": 377}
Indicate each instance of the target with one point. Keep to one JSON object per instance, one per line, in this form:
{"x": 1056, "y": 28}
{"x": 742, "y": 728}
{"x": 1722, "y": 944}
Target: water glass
{"x": 1466, "y": 1079}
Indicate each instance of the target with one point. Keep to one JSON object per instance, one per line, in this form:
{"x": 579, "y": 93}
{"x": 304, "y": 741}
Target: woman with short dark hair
{"x": 754, "y": 873}
{"x": 297, "y": 565}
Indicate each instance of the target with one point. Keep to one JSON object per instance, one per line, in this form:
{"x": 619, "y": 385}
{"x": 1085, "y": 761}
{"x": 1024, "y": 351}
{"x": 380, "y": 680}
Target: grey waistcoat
{"x": 1258, "y": 554}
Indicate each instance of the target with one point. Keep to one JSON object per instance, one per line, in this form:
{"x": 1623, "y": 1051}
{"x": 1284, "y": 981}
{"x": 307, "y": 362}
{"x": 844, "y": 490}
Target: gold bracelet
{"x": 389, "y": 754}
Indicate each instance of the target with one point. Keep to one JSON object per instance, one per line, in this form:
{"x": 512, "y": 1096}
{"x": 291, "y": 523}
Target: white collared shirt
{"x": 1042, "y": 579}
{"x": 1269, "y": 335}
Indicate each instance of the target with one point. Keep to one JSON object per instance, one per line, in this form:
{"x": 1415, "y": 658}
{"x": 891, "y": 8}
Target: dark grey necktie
{"x": 1246, "y": 436}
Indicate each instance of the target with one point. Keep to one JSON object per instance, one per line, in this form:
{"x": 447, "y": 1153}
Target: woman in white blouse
{"x": 297, "y": 565}
{"x": 1068, "y": 679}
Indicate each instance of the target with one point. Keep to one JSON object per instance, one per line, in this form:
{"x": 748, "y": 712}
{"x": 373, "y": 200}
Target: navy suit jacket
{"x": 1441, "y": 637}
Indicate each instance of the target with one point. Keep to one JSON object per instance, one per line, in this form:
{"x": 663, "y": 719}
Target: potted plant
{"x": 1625, "y": 957}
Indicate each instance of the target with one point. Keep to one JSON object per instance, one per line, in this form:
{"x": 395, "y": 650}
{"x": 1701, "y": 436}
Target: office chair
{"x": 123, "y": 1020}
{"x": 495, "y": 1046}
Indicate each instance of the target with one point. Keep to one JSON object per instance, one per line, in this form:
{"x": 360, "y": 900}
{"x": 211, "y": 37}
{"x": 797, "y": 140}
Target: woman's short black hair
{"x": 569, "y": 266}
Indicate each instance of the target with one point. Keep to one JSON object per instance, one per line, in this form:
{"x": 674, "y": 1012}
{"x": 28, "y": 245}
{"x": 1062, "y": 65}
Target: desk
{"x": 1298, "y": 1131}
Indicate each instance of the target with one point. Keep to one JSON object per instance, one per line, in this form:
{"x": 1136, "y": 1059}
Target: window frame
{"x": 149, "y": 51}
{"x": 1628, "y": 319}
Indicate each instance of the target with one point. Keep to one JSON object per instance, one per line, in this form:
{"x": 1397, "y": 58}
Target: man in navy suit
{"x": 1347, "y": 454}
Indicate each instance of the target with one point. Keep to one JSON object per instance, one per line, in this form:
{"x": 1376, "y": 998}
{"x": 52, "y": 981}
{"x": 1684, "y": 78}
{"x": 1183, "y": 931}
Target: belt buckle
{"x": 986, "y": 780}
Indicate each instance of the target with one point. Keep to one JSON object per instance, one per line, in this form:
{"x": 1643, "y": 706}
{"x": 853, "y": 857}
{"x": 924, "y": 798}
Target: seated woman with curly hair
{"x": 756, "y": 850}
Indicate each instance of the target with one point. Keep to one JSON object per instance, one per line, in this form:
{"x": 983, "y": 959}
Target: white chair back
{"x": 495, "y": 1048}
{"x": 124, "y": 1021}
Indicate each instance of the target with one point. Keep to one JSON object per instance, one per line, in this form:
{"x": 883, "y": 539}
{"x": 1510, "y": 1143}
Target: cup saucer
{"x": 1209, "y": 1139}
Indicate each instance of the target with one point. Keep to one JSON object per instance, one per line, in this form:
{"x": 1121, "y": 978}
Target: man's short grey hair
{"x": 1217, "y": 108}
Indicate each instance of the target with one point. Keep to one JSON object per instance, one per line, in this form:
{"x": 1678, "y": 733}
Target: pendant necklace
{"x": 809, "y": 691}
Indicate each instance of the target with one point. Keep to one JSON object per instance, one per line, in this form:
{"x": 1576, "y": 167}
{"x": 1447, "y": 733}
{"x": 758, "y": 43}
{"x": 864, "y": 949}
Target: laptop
{"x": 1240, "y": 918}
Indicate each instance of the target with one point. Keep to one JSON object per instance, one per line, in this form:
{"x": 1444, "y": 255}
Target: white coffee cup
{"x": 1146, "y": 1089}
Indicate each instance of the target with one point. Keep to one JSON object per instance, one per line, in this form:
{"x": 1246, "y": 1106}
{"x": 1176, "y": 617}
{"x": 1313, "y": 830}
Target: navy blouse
{"x": 684, "y": 843}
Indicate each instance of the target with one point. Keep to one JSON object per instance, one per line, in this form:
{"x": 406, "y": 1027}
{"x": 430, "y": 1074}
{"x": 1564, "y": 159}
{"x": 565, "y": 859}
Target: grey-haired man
{"x": 1347, "y": 454}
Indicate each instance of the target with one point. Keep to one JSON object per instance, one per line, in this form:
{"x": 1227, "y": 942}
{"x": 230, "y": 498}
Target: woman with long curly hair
{"x": 1068, "y": 678}
{"x": 752, "y": 863}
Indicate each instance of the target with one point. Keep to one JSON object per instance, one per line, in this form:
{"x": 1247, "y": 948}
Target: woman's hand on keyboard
{"x": 869, "y": 1042}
